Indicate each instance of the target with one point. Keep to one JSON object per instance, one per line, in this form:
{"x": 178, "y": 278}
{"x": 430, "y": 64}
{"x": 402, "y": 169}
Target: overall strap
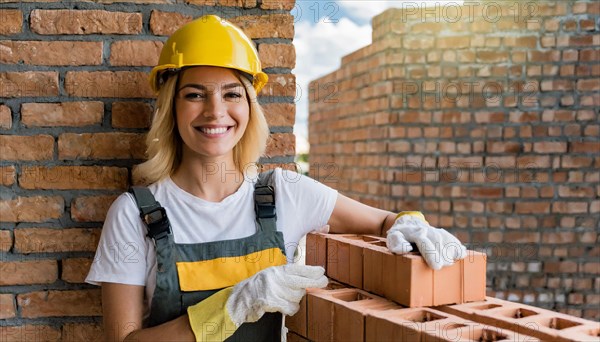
{"x": 151, "y": 212}
{"x": 264, "y": 202}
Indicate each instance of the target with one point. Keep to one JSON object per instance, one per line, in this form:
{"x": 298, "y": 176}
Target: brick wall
{"x": 486, "y": 118}
{"x": 75, "y": 106}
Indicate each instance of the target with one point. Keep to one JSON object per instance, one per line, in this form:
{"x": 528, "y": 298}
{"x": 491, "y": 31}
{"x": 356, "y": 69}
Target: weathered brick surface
{"x": 119, "y": 84}
{"x": 266, "y": 26}
{"x": 5, "y": 117}
{"x": 28, "y": 272}
{"x": 7, "y": 306}
{"x": 165, "y": 23}
{"x": 280, "y": 85}
{"x": 60, "y": 303}
{"x": 91, "y": 208}
{"x": 12, "y": 21}
{"x": 101, "y": 146}
{"x": 131, "y": 115}
{"x": 74, "y": 270}
{"x": 73, "y": 177}
{"x": 5, "y": 240}
{"x": 278, "y": 4}
{"x": 281, "y": 144}
{"x": 85, "y": 22}
{"x": 47, "y": 240}
{"x": 37, "y": 147}
{"x": 279, "y": 114}
{"x": 135, "y": 52}
{"x": 29, "y": 83}
{"x": 277, "y": 55}
{"x": 62, "y": 114}
{"x": 31, "y": 209}
{"x": 7, "y": 175}
{"x": 51, "y": 53}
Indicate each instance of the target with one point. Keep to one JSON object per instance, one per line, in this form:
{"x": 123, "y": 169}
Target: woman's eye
{"x": 193, "y": 96}
{"x": 234, "y": 95}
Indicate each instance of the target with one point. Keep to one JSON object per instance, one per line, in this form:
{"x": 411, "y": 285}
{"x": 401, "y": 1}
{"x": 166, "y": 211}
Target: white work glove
{"x": 438, "y": 247}
{"x": 274, "y": 289}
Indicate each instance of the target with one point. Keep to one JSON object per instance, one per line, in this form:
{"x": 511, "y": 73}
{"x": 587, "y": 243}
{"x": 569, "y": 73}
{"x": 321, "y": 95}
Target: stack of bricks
{"x": 74, "y": 109}
{"x": 413, "y": 308}
{"x": 485, "y": 117}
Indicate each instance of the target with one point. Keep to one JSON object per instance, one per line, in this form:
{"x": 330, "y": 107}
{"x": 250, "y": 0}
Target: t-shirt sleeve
{"x": 306, "y": 201}
{"x": 122, "y": 250}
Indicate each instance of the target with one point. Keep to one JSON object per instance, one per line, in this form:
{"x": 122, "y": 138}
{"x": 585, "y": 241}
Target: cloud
{"x": 319, "y": 49}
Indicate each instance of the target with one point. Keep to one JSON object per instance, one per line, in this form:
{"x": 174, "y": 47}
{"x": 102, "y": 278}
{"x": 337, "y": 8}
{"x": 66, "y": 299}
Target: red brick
{"x": 166, "y": 23}
{"x": 30, "y": 332}
{"x": 135, "y": 52}
{"x": 588, "y": 85}
{"x": 51, "y": 53}
{"x": 12, "y": 21}
{"x": 278, "y": 4}
{"x": 76, "y": 332}
{"x": 84, "y": 22}
{"x": 131, "y": 115}
{"x": 119, "y": 84}
{"x": 60, "y": 303}
{"x": 36, "y": 147}
{"x": 569, "y": 207}
{"x": 281, "y": 144}
{"x": 280, "y": 85}
{"x": 101, "y": 146}
{"x": 91, "y": 208}
{"x": 5, "y": 240}
{"x": 62, "y": 114}
{"x": 48, "y": 240}
{"x": 566, "y": 191}
{"x": 74, "y": 270}
{"x": 7, "y": 306}
{"x": 266, "y": 26}
{"x": 5, "y": 117}
{"x": 28, "y": 272}
{"x": 277, "y": 55}
{"x": 31, "y": 209}
{"x": 585, "y": 147}
{"x": 29, "y": 83}
{"x": 279, "y": 114}
{"x": 532, "y": 207}
{"x": 7, "y": 175}
{"x": 550, "y": 147}
{"x": 453, "y": 42}
{"x": 73, "y": 177}
{"x": 492, "y": 57}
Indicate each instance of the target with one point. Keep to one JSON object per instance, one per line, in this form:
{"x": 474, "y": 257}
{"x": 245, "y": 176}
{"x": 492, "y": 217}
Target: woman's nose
{"x": 214, "y": 106}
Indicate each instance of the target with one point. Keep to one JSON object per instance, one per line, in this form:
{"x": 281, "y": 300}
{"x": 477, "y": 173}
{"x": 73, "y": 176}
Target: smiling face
{"x": 212, "y": 112}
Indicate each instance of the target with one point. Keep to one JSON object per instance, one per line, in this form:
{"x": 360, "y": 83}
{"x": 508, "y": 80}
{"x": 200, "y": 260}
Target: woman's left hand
{"x": 438, "y": 247}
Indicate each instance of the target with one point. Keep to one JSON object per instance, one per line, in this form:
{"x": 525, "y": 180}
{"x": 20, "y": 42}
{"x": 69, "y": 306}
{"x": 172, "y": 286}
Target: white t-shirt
{"x": 126, "y": 255}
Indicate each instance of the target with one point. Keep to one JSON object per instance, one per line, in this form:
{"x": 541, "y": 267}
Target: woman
{"x": 208, "y": 259}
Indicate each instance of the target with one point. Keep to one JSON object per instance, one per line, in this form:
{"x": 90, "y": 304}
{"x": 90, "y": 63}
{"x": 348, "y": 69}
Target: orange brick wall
{"x": 74, "y": 109}
{"x": 487, "y": 120}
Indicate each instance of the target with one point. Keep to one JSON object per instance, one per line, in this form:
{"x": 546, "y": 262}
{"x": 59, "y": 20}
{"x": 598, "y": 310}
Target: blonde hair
{"x": 164, "y": 144}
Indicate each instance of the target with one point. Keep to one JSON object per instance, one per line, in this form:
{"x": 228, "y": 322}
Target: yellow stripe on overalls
{"x": 227, "y": 271}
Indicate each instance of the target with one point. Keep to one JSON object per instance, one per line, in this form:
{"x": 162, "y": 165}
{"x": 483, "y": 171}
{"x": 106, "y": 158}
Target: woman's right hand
{"x": 274, "y": 289}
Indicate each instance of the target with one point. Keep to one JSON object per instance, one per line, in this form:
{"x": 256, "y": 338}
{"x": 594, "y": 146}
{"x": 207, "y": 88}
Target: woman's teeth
{"x": 219, "y": 130}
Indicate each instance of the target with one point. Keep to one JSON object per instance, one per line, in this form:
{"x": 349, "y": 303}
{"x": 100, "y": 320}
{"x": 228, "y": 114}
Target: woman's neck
{"x": 212, "y": 180}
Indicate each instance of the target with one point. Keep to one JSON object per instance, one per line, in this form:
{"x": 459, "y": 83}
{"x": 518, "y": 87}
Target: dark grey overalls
{"x": 174, "y": 262}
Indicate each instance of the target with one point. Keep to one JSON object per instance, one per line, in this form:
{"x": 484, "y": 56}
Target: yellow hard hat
{"x": 209, "y": 40}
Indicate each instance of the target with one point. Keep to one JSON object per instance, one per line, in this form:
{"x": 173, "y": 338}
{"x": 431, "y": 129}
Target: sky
{"x": 325, "y": 31}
